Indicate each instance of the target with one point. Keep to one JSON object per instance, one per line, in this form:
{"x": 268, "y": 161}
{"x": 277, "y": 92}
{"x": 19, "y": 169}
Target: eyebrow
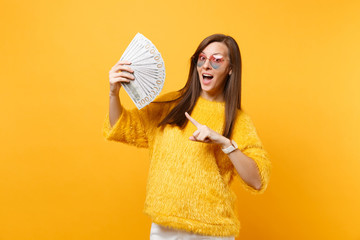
{"x": 214, "y": 53}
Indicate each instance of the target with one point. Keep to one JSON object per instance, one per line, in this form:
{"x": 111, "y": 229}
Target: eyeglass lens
{"x": 215, "y": 60}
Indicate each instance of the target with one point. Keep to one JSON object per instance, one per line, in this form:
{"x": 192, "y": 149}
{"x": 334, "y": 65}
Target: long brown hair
{"x": 190, "y": 93}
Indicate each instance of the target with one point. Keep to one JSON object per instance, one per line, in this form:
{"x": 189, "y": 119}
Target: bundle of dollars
{"x": 149, "y": 71}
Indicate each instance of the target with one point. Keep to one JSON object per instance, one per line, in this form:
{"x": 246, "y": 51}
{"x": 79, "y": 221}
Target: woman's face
{"x": 213, "y": 67}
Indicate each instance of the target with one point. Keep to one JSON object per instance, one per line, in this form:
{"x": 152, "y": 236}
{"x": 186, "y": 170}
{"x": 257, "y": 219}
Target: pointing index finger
{"x": 193, "y": 121}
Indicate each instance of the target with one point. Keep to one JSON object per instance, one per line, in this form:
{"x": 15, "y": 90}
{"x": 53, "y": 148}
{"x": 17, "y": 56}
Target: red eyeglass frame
{"x": 216, "y": 60}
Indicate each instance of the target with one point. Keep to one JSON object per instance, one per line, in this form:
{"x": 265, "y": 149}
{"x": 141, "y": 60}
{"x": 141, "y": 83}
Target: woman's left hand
{"x": 206, "y": 134}
{"x": 244, "y": 165}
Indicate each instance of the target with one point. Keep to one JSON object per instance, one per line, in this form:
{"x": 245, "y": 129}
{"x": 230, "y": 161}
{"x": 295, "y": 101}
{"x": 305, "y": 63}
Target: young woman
{"x": 199, "y": 138}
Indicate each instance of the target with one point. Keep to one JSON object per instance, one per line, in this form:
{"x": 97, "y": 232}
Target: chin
{"x": 206, "y": 89}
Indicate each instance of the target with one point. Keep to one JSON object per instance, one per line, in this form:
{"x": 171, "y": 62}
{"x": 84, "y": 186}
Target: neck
{"x": 215, "y": 98}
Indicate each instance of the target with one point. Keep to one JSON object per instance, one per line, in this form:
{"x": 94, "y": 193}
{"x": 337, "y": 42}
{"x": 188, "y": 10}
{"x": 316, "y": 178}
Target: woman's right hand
{"x": 120, "y": 73}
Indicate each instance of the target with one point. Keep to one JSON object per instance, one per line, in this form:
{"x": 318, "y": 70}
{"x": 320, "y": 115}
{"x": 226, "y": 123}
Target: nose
{"x": 207, "y": 64}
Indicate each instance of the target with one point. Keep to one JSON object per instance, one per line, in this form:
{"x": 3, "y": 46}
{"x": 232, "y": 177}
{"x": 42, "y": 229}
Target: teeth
{"x": 207, "y": 75}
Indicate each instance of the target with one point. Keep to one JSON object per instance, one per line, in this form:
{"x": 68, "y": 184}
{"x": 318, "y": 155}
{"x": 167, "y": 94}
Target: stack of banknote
{"x": 149, "y": 71}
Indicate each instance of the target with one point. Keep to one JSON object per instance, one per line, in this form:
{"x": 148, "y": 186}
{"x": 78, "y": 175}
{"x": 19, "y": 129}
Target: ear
{"x": 230, "y": 72}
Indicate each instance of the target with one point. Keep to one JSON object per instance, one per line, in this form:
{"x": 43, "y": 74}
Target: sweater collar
{"x": 210, "y": 105}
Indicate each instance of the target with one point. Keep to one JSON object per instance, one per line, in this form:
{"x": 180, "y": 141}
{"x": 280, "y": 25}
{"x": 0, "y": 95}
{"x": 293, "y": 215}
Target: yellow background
{"x": 59, "y": 178}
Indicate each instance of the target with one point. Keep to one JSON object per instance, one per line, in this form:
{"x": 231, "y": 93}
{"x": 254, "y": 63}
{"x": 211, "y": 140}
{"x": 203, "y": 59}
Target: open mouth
{"x": 207, "y": 77}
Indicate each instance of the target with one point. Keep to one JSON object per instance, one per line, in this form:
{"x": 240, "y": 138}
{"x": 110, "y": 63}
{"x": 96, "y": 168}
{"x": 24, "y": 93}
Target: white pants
{"x": 159, "y": 232}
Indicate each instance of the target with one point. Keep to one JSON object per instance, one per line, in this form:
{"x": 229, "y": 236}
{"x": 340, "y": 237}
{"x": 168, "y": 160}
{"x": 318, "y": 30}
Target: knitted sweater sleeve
{"x": 135, "y": 127}
{"x": 250, "y": 144}
{"x": 130, "y": 128}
